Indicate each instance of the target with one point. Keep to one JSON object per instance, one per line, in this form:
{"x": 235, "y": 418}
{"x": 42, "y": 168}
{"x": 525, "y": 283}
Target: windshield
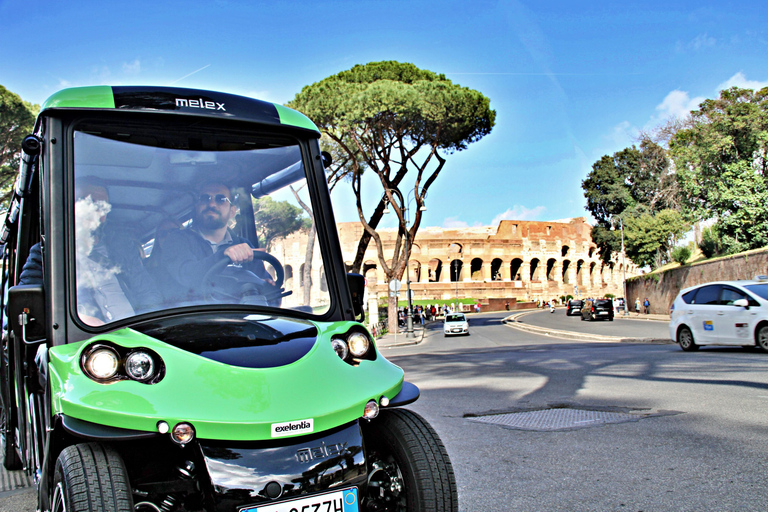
{"x": 173, "y": 216}
{"x": 455, "y": 318}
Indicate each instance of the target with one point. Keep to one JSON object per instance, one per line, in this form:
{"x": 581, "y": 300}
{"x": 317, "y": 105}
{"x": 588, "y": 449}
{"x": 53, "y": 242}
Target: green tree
{"x": 397, "y": 121}
{"x": 17, "y": 120}
{"x": 710, "y": 242}
{"x": 649, "y": 237}
{"x": 634, "y": 181}
{"x": 720, "y": 157}
{"x": 275, "y": 219}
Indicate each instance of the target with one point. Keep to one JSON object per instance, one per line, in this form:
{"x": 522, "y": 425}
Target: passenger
{"x": 188, "y": 254}
{"x": 111, "y": 280}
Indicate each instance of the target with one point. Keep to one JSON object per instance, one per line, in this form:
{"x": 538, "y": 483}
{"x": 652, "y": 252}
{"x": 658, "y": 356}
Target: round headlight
{"x": 358, "y": 344}
{"x": 102, "y": 363}
{"x": 183, "y": 433}
{"x": 340, "y": 347}
{"x": 140, "y": 366}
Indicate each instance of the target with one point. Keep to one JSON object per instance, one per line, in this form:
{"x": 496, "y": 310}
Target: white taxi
{"x": 721, "y": 313}
{"x": 455, "y": 323}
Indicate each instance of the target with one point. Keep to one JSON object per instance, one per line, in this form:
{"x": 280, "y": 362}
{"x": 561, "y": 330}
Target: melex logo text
{"x": 200, "y": 103}
{"x": 292, "y": 428}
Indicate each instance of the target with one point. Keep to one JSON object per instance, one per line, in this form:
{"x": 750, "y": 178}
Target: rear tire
{"x": 409, "y": 467}
{"x": 90, "y": 477}
{"x": 685, "y": 339}
{"x": 11, "y": 460}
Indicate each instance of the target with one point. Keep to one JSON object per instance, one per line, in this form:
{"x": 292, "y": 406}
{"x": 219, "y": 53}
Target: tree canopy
{"x": 17, "y": 120}
{"x": 275, "y": 219}
{"x": 714, "y": 168}
{"x": 399, "y": 122}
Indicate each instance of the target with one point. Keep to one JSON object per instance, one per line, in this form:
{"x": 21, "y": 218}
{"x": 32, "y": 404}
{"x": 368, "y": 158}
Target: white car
{"x": 721, "y": 313}
{"x": 455, "y": 323}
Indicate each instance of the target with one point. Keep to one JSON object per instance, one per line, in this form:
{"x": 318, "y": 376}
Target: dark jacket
{"x": 186, "y": 257}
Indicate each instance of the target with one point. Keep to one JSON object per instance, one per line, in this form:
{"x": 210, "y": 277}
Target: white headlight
{"x": 340, "y": 347}
{"x": 140, "y": 366}
{"x": 358, "y": 344}
{"x": 102, "y": 363}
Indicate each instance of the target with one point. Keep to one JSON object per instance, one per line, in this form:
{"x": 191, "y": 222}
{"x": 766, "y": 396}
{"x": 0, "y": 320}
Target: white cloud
{"x": 518, "y": 212}
{"x": 678, "y": 104}
{"x": 132, "y": 68}
{"x": 699, "y": 42}
{"x": 454, "y": 223}
{"x": 739, "y": 80}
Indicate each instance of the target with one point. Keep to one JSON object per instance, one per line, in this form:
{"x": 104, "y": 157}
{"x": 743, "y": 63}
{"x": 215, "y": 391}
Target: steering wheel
{"x": 225, "y": 281}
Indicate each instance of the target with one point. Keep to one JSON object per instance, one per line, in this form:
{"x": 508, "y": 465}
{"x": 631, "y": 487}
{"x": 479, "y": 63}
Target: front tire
{"x": 409, "y": 467}
{"x": 90, "y": 477}
{"x": 685, "y": 339}
{"x": 761, "y": 339}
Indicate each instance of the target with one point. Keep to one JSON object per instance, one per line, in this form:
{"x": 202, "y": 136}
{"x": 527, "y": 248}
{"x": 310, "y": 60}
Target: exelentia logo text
{"x": 292, "y": 427}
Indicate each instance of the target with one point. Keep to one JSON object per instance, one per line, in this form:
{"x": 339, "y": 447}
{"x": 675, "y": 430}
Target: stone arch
{"x": 514, "y": 269}
{"x": 591, "y": 251}
{"x": 551, "y": 264}
{"x": 535, "y": 263}
{"x": 476, "y": 269}
{"x": 414, "y": 268}
{"x": 288, "y": 270}
{"x": 415, "y": 249}
{"x": 456, "y": 268}
{"x": 592, "y": 273}
{"x": 566, "y": 265}
{"x": 580, "y": 272}
{"x": 565, "y": 250}
{"x": 496, "y": 269}
{"x": 323, "y": 280}
{"x": 456, "y": 250}
{"x": 435, "y": 270}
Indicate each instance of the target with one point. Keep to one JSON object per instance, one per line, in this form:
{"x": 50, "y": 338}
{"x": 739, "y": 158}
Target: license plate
{"x": 455, "y": 330}
{"x": 337, "y": 501}
{"x": 603, "y": 313}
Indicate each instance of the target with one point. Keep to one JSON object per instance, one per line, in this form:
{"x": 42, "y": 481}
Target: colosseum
{"x": 516, "y": 261}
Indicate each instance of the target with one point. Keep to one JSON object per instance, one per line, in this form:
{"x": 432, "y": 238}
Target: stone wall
{"x": 661, "y": 289}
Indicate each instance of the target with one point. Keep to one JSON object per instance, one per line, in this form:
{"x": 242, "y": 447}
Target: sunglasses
{"x": 219, "y": 199}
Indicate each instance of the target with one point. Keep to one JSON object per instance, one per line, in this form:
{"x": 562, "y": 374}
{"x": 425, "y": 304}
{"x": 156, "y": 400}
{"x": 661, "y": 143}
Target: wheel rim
{"x": 386, "y": 485}
{"x": 762, "y": 338}
{"x": 686, "y": 339}
{"x": 57, "y": 503}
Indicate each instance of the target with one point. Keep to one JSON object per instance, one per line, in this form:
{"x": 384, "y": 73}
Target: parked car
{"x": 455, "y": 323}
{"x": 597, "y": 309}
{"x": 574, "y": 307}
{"x": 721, "y": 313}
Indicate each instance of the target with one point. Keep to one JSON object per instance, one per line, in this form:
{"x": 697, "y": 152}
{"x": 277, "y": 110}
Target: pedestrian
{"x": 637, "y": 306}
{"x": 507, "y": 305}
{"x": 646, "y": 305}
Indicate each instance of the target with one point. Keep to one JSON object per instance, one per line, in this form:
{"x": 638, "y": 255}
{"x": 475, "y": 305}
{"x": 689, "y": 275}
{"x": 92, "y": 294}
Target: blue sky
{"x": 570, "y": 81}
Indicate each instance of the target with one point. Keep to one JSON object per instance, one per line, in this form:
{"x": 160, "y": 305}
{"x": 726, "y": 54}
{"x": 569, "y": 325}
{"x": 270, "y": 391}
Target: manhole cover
{"x": 548, "y": 420}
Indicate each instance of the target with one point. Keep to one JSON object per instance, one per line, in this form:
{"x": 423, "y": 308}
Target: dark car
{"x": 574, "y": 307}
{"x": 597, "y": 309}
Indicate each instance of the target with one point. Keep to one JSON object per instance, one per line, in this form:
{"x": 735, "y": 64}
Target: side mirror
{"x": 327, "y": 159}
{"x": 742, "y": 303}
{"x": 26, "y": 312}
{"x": 357, "y": 290}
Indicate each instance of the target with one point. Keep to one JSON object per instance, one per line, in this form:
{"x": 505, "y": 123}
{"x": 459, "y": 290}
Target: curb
{"x": 513, "y": 322}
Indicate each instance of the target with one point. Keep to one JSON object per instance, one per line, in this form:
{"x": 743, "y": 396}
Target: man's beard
{"x": 210, "y": 223}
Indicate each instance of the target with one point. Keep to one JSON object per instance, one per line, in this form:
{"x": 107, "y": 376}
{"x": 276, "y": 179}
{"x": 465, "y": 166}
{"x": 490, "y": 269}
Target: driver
{"x": 189, "y": 253}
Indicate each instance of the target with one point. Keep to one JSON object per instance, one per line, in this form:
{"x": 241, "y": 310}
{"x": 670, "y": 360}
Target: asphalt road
{"x": 701, "y": 445}
{"x": 698, "y": 440}
{"x": 633, "y": 326}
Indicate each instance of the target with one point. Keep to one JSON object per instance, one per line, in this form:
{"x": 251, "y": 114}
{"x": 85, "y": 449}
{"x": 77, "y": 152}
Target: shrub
{"x": 681, "y": 254}
{"x": 710, "y": 244}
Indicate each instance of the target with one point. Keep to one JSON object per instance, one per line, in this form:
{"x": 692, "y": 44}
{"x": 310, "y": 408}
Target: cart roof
{"x": 178, "y": 100}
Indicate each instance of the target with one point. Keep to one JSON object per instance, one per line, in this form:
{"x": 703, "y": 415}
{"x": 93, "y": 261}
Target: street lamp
{"x": 404, "y": 206}
{"x": 623, "y": 265}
